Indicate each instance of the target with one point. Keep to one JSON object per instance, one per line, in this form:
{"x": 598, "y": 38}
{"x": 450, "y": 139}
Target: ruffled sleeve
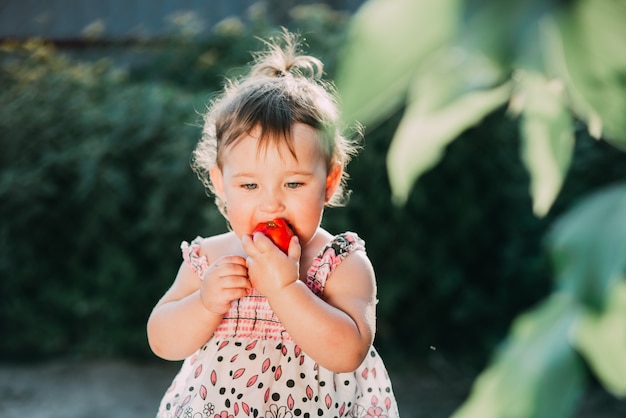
{"x": 192, "y": 257}
{"x": 329, "y": 258}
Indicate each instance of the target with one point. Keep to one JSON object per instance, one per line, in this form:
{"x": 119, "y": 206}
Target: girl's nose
{"x": 272, "y": 202}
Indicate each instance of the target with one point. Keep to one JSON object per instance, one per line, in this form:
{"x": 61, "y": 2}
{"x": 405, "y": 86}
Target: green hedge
{"x": 96, "y": 194}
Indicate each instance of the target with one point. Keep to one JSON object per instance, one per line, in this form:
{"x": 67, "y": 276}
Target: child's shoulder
{"x": 216, "y": 246}
{"x": 344, "y": 257}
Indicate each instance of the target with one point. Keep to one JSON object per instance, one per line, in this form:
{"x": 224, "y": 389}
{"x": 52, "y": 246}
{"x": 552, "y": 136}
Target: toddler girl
{"x": 264, "y": 332}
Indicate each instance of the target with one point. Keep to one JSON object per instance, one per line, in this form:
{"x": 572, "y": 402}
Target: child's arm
{"x": 336, "y": 331}
{"x": 190, "y": 311}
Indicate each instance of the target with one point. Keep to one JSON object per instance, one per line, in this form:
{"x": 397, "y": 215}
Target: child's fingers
{"x": 256, "y": 244}
{"x": 219, "y": 302}
{"x": 235, "y": 293}
{"x": 236, "y": 282}
{"x": 219, "y": 290}
{"x": 230, "y": 259}
{"x": 227, "y": 266}
{"x": 228, "y": 270}
{"x": 235, "y": 287}
{"x": 295, "y": 250}
{"x": 262, "y": 242}
{"x": 248, "y": 245}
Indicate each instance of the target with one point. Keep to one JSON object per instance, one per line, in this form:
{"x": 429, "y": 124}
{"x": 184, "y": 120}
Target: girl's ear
{"x": 217, "y": 178}
{"x": 333, "y": 179}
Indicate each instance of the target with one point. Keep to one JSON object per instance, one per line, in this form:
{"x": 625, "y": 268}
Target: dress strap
{"x": 191, "y": 255}
{"x": 329, "y": 258}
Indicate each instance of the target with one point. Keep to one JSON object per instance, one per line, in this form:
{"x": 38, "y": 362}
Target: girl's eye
{"x": 293, "y": 185}
{"x": 249, "y": 186}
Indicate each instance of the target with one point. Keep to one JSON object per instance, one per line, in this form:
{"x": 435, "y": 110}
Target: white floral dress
{"x": 252, "y": 368}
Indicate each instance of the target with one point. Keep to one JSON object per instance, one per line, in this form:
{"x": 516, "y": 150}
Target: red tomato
{"x": 278, "y": 230}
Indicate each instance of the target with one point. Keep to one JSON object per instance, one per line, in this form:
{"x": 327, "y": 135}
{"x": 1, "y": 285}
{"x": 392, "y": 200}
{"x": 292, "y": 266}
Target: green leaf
{"x": 595, "y": 52}
{"x": 448, "y": 97}
{"x": 387, "y": 41}
{"x": 537, "y": 374}
{"x": 505, "y": 30}
{"x": 588, "y": 246}
{"x": 547, "y": 138}
{"x": 602, "y": 340}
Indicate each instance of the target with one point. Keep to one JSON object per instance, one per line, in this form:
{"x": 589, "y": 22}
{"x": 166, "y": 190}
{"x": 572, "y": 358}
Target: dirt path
{"x": 100, "y": 389}
{"x": 119, "y": 389}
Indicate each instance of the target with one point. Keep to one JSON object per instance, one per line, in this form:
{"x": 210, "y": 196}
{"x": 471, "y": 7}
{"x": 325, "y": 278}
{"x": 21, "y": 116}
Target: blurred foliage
{"x": 559, "y": 67}
{"x": 539, "y": 371}
{"x": 97, "y": 194}
{"x": 191, "y": 60}
{"x": 550, "y": 61}
{"x": 94, "y": 184}
{"x": 537, "y": 374}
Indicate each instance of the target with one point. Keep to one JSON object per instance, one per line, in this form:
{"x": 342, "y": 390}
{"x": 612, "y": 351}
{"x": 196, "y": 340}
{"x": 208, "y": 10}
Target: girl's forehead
{"x": 303, "y": 144}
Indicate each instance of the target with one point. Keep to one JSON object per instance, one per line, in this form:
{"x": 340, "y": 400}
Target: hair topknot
{"x": 283, "y": 57}
{"x": 283, "y": 87}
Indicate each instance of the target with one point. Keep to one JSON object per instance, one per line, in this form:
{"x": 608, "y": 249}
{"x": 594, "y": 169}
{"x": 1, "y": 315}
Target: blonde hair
{"x": 281, "y": 89}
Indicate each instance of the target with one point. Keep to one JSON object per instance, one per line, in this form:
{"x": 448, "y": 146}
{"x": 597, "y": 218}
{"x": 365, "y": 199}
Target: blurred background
{"x": 100, "y": 108}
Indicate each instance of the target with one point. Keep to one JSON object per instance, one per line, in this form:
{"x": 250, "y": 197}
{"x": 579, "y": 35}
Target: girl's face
{"x": 259, "y": 185}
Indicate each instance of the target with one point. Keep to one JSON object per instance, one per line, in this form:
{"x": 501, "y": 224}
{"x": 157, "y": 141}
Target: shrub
{"x": 96, "y": 191}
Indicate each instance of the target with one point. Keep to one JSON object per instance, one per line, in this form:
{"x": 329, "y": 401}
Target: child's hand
{"x": 270, "y": 269}
{"x": 224, "y": 281}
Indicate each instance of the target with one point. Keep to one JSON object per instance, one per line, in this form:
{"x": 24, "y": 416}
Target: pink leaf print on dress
{"x": 290, "y": 402}
{"x": 278, "y": 373}
{"x": 198, "y": 371}
{"x": 329, "y": 401}
{"x": 203, "y": 392}
{"x": 266, "y": 365}
{"x": 238, "y": 373}
{"x": 213, "y": 377}
{"x": 252, "y": 380}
